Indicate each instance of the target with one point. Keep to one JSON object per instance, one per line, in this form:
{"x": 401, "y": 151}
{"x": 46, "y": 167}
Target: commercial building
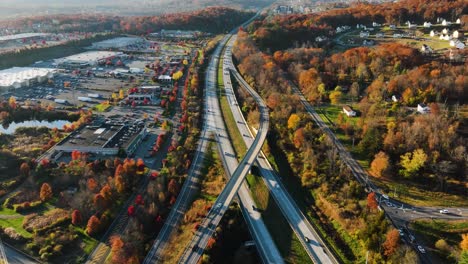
{"x": 18, "y": 77}
{"x": 90, "y": 58}
{"x": 106, "y": 139}
{"x": 118, "y": 43}
{"x": 182, "y": 34}
{"x": 23, "y": 37}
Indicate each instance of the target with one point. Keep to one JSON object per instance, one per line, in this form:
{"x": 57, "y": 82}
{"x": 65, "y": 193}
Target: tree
{"x": 464, "y": 257}
{"x": 442, "y": 245}
{"x": 106, "y": 193}
{"x": 412, "y": 162}
{"x": 464, "y": 242}
{"x": 299, "y": 137}
{"x": 77, "y": 218}
{"x": 372, "y": 201}
{"x": 117, "y": 250}
{"x": 120, "y": 184}
{"x": 391, "y": 242}
{"x": 121, "y": 94}
{"x": 92, "y": 184}
{"x": 335, "y": 97}
{"x": 173, "y": 187}
{"x": 12, "y": 102}
{"x": 293, "y": 121}
{"x": 25, "y": 169}
{"x": 380, "y": 164}
{"x": 93, "y": 225}
{"x": 46, "y": 192}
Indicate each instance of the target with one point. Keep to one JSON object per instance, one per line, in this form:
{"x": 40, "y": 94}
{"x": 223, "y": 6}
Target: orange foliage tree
{"x": 391, "y": 242}
{"x": 93, "y": 225}
{"x": 46, "y": 192}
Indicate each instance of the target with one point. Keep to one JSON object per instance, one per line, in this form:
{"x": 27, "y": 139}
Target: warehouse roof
{"x": 14, "y": 75}
{"x": 117, "y": 42}
{"x": 90, "y": 56}
{"x": 22, "y": 36}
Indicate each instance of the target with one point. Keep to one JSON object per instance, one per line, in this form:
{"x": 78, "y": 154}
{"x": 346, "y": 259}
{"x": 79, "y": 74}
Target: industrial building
{"x": 106, "y": 139}
{"x": 23, "y": 37}
{"x": 90, "y": 58}
{"x": 18, "y": 77}
{"x": 117, "y": 43}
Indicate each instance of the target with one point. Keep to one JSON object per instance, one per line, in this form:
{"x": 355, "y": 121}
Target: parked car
{"x": 444, "y": 211}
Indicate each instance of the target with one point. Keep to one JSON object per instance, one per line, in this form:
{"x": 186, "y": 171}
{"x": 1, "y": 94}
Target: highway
{"x": 315, "y": 248}
{"x": 213, "y": 124}
{"x": 196, "y": 247}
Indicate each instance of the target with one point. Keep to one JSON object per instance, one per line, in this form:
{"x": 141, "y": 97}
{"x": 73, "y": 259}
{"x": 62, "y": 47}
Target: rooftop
{"x": 117, "y": 42}
{"x": 22, "y": 36}
{"x": 90, "y": 56}
{"x": 107, "y": 135}
{"x": 14, "y": 75}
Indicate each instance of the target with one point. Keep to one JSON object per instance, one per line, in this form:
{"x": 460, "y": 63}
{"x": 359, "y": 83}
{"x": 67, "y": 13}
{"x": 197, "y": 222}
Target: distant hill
{"x": 24, "y": 8}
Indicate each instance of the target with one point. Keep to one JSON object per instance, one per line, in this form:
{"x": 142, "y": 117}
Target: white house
{"x": 379, "y": 35}
{"x": 432, "y": 34}
{"x": 458, "y": 21}
{"x": 375, "y": 24}
{"x": 423, "y": 109}
{"x": 445, "y": 31}
{"x": 427, "y": 24}
{"x": 444, "y": 22}
{"x": 395, "y": 98}
{"x": 445, "y": 37}
{"x": 397, "y": 35}
{"x": 348, "y": 111}
{"x": 455, "y": 34}
{"x": 392, "y": 27}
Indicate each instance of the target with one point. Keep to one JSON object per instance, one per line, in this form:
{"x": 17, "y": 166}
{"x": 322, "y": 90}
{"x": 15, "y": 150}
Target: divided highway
{"x": 196, "y": 247}
{"x": 213, "y": 123}
{"x": 309, "y": 238}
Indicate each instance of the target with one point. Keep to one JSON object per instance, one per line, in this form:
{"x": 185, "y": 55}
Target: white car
{"x": 444, "y": 211}
{"x": 421, "y": 249}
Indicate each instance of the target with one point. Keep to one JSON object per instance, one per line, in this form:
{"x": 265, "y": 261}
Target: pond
{"x": 10, "y": 129}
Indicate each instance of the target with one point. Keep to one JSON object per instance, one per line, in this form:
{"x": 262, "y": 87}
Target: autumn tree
{"x": 46, "y": 192}
{"x": 442, "y": 245}
{"x": 12, "y": 102}
{"x": 372, "y": 201}
{"x": 335, "y": 97}
{"x": 117, "y": 250}
{"x": 294, "y": 121}
{"x": 93, "y": 225}
{"x": 464, "y": 242}
{"x": 173, "y": 187}
{"x": 77, "y": 218}
{"x": 299, "y": 137}
{"x": 106, "y": 193}
{"x": 391, "y": 242}
{"x": 380, "y": 164}
{"x": 412, "y": 162}
{"x": 25, "y": 169}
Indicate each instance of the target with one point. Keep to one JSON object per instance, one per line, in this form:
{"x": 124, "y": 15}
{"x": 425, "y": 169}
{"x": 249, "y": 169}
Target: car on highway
{"x": 421, "y": 249}
{"x": 307, "y": 240}
{"x": 218, "y": 206}
{"x": 400, "y": 231}
{"x": 444, "y": 211}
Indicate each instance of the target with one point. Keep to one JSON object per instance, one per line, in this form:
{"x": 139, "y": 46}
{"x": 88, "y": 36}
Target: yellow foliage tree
{"x": 121, "y": 94}
{"x": 335, "y": 97}
{"x": 464, "y": 242}
{"x": 293, "y": 121}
